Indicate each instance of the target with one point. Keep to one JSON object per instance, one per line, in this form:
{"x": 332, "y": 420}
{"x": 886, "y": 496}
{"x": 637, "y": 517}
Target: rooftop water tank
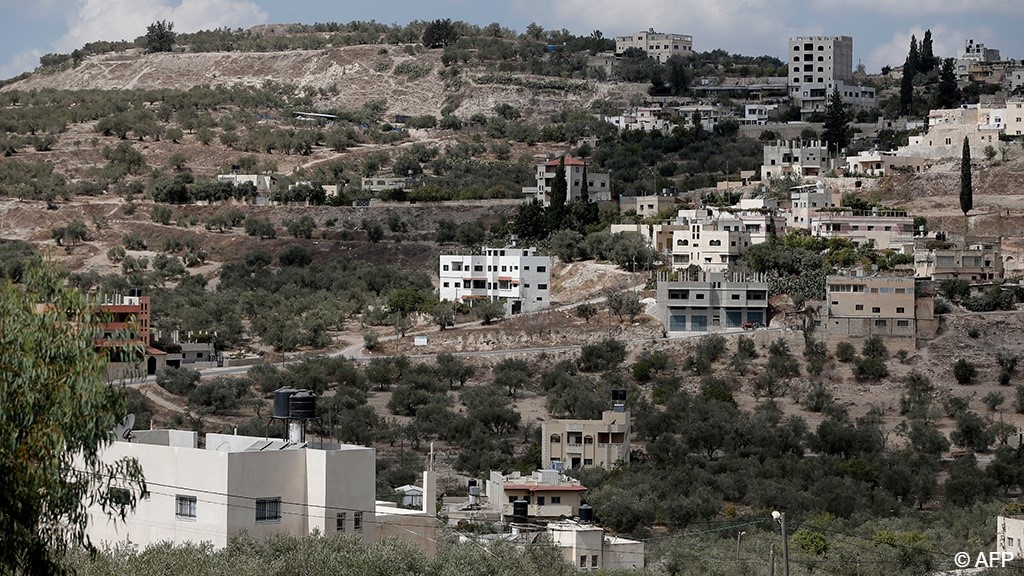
{"x": 302, "y": 405}
{"x": 520, "y": 511}
{"x": 586, "y": 514}
{"x": 281, "y": 398}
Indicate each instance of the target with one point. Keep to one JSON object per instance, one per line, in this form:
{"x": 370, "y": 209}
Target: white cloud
{"x": 745, "y": 26}
{"x": 946, "y": 43}
{"x": 19, "y": 63}
{"x": 94, "y": 20}
{"x": 923, "y": 7}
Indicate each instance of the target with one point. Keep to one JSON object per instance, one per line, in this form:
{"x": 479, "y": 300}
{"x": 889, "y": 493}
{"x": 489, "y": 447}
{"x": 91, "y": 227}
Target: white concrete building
{"x": 646, "y": 118}
{"x": 598, "y": 183}
{"x": 712, "y": 243}
{"x": 243, "y": 483}
{"x": 757, "y": 114}
{"x": 806, "y": 201}
{"x": 879, "y": 163}
{"x": 1015, "y": 116}
{"x": 516, "y": 276}
{"x": 820, "y": 64}
{"x": 657, "y": 45}
{"x": 885, "y": 230}
{"x": 1010, "y": 535}
{"x": 588, "y": 548}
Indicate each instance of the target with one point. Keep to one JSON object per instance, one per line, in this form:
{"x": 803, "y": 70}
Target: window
{"x": 120, "y": 496}
{"x": 542, "y": 268}
{"x": 734, "y": 296}
{"x": 556, "y": 499}
{"x": 556, "y": 439}
{"x": 583, "y": 560}
{"x": 903, "y": 323}
{"x": 445, "y": 267}
{"x": 540, "y": 500}
{"x": 542, "y": 286}
{"x": 859, "y": 307}
{"x": 593, "y": 560}
{"x": 268, "y": 509}
{"x": 357, "y": 521}
{"x": 185, "y": 506}
{"x": 340, "y": 522}
{"x": 876, "y": 310}
{"x": 445, "y": 284}
{"x": 900, "y": 310}
{"x": 881, "y": 323}
{"x": 588, "y": 461}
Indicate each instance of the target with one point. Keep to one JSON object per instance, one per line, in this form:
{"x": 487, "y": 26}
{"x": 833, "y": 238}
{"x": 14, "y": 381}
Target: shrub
{"x": 161, "y": 214}
{"x": 993, "y": 400}
{"x": 586, "y": 311}
{"x": 605, "y": 355}
{"x": 874, "y": 347}
{"x": 259, "y": 228}
{"x": 295, "y": 255}
{"x": 177, "y": 381}
{"x": 133, "y": 241}
{"x": 817, "y": 398}
{"x": 870, "y": 368}
{"x": 964, "y": 371}
{"x": 973, "y": 333}
{"x": 845, "y": 352}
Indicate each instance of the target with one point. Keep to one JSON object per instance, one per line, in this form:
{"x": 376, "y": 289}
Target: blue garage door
{"x": 733, "y": 318}
{"x": 698, "y": 323}
{"x": 677, "y": 323}
{"x": 755, "y": 316}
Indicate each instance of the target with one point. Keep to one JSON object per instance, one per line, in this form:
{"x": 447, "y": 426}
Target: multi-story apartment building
{"x": 126, "y": 329}
{"x": 713, "y": 301}
{"x": 516, "y": 276}
{"x": 646, "y": 118}
{"x": 1015, "y": 114}
{"x": 818, "y": 65}
{"x": 757, "y": 114}
{"x": 548, "y": 493}
{"x": 806, "y": 202}
{"x": 713, "y": 243}
{"x": 976, "y": 260}
{"x": 586, "y": 443}
{"x": 879, "y": 163}
{"x": 254, "y": 485}
{"x": 598, "y": 183}
{"x": 657, "y": 45}
{"x": 947, "y": 129}
{"x": 859, "y": 306}
{"x": 885, "y": 229}
{"x": 795, "y": 158}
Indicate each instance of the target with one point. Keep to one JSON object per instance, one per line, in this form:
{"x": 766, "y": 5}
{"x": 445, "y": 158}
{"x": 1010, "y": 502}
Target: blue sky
{"x": 881, "y": 28}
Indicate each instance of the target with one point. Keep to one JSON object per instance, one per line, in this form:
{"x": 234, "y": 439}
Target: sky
{"x": 881, "y": 29}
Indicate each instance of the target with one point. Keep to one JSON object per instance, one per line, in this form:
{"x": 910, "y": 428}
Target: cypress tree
{"x": 836, "y": 130}
{"x": 928, "y": 61}
{"x": 907, "y": 87}
{"x": 948, "y": 93}
{"x": 966, "y": 186}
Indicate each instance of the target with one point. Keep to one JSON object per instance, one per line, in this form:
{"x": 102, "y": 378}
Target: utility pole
{"x": 785, "y": 546}
{"x": 771, "y": 560}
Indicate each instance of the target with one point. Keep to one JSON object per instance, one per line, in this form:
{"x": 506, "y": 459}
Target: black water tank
{"x": 586, "y": 514}
{"x": 302, "y": 405}
{"x": 281, "y": 397}
{"x": 520, "y": 511}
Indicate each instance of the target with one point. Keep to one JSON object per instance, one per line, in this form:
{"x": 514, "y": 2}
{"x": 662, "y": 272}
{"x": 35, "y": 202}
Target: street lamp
{"x": 780, "y": 517}
{"x": 738, "y": 537}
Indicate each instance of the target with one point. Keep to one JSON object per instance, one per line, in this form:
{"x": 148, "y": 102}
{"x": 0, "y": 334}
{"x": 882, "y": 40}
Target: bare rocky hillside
{"x": 342, "y": 77}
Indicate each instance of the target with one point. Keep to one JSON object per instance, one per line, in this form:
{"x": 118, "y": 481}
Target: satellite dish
{"x": 123, "y": 430}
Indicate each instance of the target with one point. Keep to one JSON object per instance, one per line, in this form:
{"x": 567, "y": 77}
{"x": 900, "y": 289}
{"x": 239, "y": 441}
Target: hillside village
{"x": 631, "y": 305}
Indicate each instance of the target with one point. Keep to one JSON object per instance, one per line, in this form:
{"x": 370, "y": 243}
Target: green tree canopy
{"x": 56, "y": 415}
{"x": 159, "y": 37}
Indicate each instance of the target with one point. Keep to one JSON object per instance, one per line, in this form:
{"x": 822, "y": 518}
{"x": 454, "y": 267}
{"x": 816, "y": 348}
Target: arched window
{"x": 556, "y": 439}
{"x": 588, "y": 439}
{"x": 682, "y": 242}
